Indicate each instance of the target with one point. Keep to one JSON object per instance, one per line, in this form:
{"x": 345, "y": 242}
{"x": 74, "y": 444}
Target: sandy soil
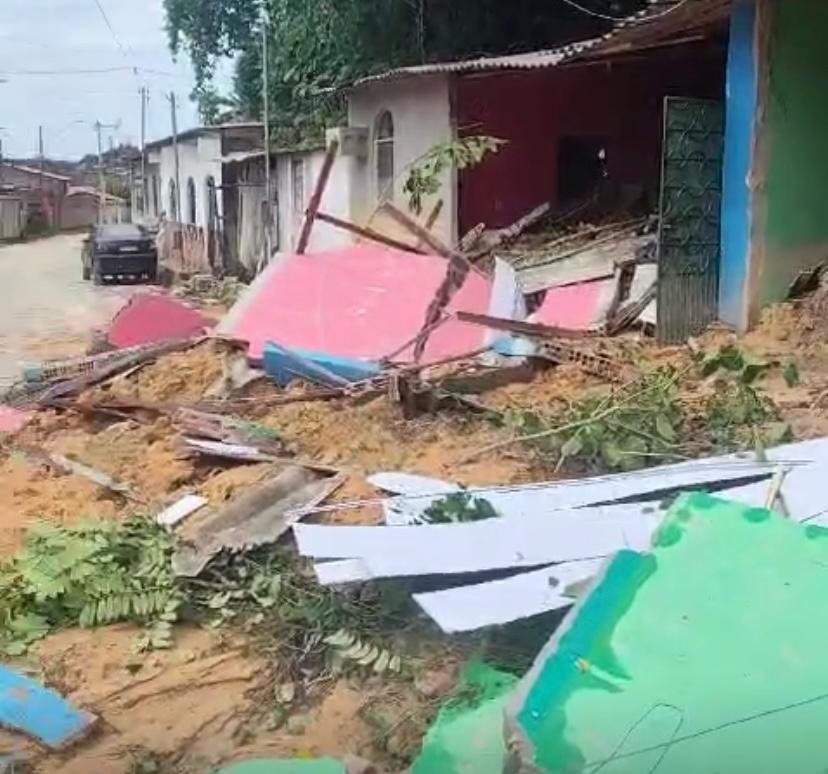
{"x": 202, "y": 703}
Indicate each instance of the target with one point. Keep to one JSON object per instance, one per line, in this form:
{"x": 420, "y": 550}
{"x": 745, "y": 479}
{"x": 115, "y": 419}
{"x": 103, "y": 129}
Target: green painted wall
{"x": 796, "y": 134}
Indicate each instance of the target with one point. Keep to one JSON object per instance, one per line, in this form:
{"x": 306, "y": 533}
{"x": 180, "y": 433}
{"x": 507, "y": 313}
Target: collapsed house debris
{"x": 647, "y": 632}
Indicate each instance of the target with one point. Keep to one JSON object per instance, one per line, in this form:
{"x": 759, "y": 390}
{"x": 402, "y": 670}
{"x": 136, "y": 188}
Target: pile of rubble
{"x": 386, "y": 480}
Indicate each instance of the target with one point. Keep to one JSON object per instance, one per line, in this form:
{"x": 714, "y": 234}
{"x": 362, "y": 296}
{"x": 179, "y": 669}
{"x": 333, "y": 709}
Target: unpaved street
{"x": 46, "y": 309}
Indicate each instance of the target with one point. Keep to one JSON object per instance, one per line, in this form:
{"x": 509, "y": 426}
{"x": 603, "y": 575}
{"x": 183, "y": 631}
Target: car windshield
{"x": 120, "y": 232}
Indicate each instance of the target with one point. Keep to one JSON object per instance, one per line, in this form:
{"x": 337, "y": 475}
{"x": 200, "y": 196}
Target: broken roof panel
{"x": 705, "y": 654}
{"x": 153, "y": 317}
{"x": 360, "y": 301}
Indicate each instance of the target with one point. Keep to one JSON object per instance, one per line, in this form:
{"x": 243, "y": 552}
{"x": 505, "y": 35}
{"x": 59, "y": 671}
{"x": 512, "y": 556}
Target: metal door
{"x": 690, "y": 217}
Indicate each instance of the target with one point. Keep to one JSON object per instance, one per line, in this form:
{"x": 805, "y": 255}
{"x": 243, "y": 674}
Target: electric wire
{"x": 609, "y": 17}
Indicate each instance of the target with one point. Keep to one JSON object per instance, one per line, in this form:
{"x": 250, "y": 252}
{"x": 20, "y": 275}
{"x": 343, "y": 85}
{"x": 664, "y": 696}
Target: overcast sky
{"x": 63, "y": 35}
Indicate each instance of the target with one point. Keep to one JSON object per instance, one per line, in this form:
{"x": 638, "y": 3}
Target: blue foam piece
{"x": 39, "y": 712}
{"x": 283, "y": 365}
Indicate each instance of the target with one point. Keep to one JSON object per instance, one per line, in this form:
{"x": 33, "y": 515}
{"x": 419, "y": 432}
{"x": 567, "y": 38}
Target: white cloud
{"x": 65, "y": 35}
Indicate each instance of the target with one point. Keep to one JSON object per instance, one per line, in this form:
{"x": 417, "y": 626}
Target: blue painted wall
{"x": 740, "y": 115}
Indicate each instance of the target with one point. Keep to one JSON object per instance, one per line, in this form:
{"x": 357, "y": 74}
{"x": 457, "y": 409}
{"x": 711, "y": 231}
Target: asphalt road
{"x": 46, "y": 309}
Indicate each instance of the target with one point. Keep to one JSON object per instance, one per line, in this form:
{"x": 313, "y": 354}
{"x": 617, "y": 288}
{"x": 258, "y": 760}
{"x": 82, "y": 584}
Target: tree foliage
{"x": 319, "y": 47}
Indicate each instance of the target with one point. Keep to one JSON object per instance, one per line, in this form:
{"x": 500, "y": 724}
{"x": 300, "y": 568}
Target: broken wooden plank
{"x": 629, "y": 313}
{"x": 255, "y": 518}
{"x": 316, "y": 197}
{"x": 180, "y": 510}
{"x": 368, "y": 233}
{"x": 524, "y": 328}
{"x": 84, "y": 381}
{"x": 432, "y": 218}
{"x": 426, "y": 237}
{"x": 40, "y": 713}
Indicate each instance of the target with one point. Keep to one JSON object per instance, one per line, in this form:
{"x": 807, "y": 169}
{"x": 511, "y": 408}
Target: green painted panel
{"x": 708, "y": 654}
{"x": 467, "y": 737}
{"x": 796, "y": 188}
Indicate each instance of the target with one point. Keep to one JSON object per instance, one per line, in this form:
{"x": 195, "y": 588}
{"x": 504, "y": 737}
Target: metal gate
{"x": 690, "y": 217}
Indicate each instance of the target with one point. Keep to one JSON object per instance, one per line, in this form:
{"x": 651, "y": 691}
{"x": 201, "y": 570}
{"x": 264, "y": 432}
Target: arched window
{"x": 384, "y": 153}
{"x": 191, "y": 201}
{"x": 173, "y": 213}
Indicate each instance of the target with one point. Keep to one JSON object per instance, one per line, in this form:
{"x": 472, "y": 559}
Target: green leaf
{"x": 791, "y": 374}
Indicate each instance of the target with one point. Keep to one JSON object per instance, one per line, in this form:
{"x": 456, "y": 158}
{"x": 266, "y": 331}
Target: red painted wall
{"x": 533, "y": 109}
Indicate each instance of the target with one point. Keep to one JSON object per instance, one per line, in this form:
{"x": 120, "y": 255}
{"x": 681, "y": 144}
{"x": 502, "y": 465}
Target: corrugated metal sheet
{"x": 660, "y": 21}
{"x": 528, "y": 61}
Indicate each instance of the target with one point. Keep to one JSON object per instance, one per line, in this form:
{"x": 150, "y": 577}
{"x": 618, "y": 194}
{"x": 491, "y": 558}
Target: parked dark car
{"x": 119, "y": 252}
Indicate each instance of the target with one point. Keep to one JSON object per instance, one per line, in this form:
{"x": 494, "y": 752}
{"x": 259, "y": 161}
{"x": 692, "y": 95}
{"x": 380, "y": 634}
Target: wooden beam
{"x": 423, "y": 234}
{"x": 367, "y": 233}
{"x": 527, "y": 329}
{"x": 432, "y": 219}
{"x": 316, "y": 197}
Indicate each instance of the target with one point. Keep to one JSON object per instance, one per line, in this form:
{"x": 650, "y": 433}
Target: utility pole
{"x": 101, "y": 177}
{"x": 266, "y": 117}
{"x": 40, "y": 151}
{"x": 99, "y": 127}
{"x": 144, "y": 186}
{"x": 174, "y": 119}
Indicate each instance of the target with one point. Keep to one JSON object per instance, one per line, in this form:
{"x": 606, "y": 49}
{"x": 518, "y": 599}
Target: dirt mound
{"x": 205, "y": 704}
{"x": 29, "y": 493}
{"x": 374, "y": 436}
{"x": 146, "y": 457}
{"x": 181, "y": 376}
{"x": 189, "y": 702}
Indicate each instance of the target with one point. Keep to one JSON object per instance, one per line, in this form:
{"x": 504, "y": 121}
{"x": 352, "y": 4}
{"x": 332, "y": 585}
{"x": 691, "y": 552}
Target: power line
{"x": 112, "y": 31}
{"x": 97, "y": 71}
{"x": 609, "y": 17}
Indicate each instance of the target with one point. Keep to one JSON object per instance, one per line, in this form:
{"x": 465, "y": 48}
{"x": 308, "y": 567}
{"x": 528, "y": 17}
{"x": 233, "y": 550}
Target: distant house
{"x": 42, "y": 191}
{"x": 82, "y": 208}
{"x": 191, "y": 197}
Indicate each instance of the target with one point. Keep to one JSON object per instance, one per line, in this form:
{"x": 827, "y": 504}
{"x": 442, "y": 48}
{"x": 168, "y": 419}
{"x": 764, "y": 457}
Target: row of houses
{"x": 37, "y": 200}
{"x": 707, "y": 112}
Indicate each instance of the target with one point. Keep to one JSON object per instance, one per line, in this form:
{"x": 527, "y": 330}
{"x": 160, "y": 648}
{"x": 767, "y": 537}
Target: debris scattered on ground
{"x": 487, "y": 485}
{"x": 656, "y": 623}
{"x": 40, "y": 713}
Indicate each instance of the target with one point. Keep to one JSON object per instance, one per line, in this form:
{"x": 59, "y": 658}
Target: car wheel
{"x": 87, "y": 273}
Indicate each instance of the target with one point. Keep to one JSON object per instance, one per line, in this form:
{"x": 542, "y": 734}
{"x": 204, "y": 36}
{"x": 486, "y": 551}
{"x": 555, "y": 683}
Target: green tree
{"x": 319, "y": 47}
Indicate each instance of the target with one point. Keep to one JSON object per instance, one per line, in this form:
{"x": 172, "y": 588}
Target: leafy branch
{"x": 425, "y": 176}
{"x": 88, "y": 575}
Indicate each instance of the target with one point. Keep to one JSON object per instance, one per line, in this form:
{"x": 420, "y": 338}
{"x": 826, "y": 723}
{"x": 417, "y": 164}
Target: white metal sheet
{"x": 497, "y": 602}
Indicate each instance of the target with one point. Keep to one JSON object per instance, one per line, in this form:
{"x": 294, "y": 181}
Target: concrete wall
{"x": 792, "y": 161}
{"x": 336, "y": 199}
{"x": 199, "y": 158}
{"x": 422, "y": 113}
